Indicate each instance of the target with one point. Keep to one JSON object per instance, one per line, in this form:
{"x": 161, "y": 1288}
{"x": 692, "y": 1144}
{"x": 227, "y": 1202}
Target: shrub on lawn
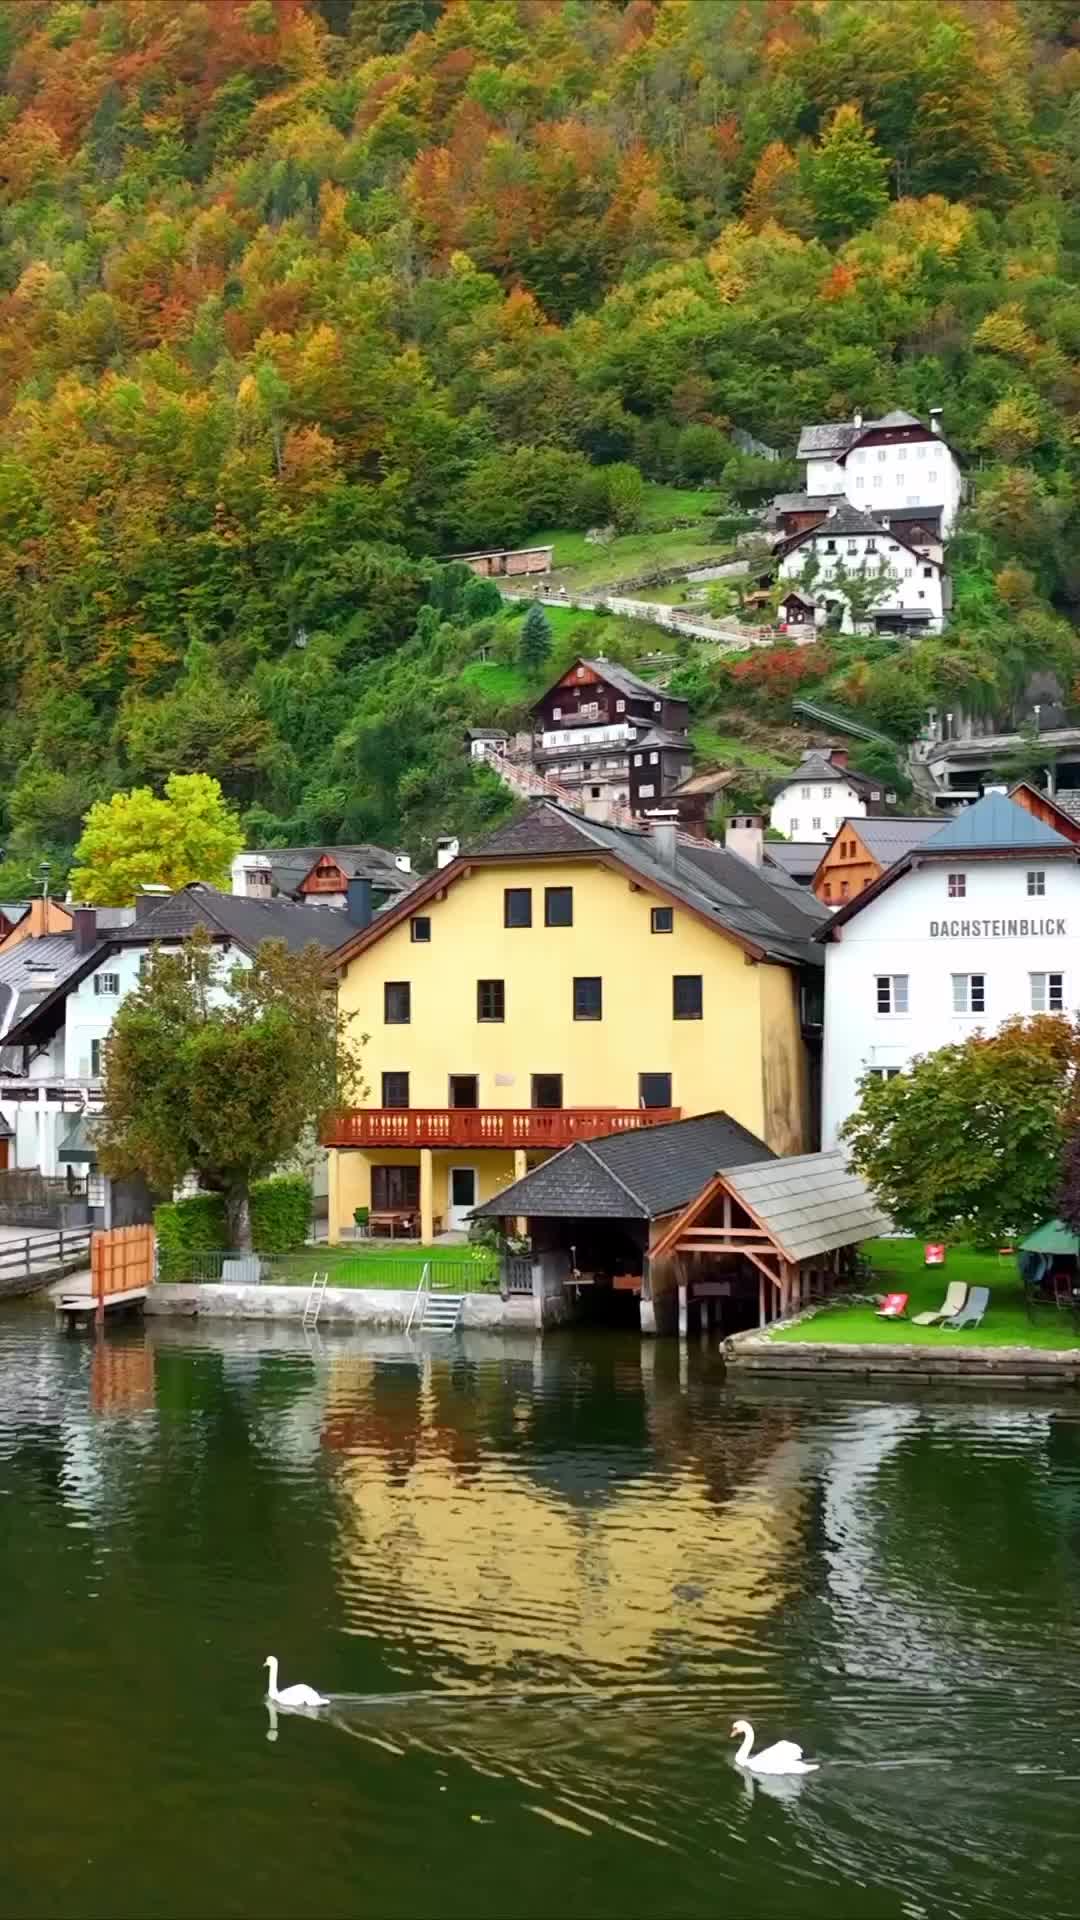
{"x": 280, "y": 1212}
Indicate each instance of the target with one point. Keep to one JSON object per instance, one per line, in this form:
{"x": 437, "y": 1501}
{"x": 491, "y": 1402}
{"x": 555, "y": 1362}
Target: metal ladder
{"x": 442, "y": 1312}
{"x": 313, "y": 1303}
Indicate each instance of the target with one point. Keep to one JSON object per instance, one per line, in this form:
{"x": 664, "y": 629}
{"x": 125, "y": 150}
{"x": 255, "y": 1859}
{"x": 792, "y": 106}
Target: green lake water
{"x": 539, "y": 1581}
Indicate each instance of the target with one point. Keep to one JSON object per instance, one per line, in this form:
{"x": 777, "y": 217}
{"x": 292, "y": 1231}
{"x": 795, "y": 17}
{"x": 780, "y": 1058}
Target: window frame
{"x": 957, "y": 886}
{"x": 974, "y": 988}
{"x": 654, "y": 913}
{"x": 550, "y": 895}
{"x": 655, "y": 1106}
{"x": 517, "y": 893}
{"x": 397, "y": 1019}
{"x": 580, "y": 999}
{"x": 545, "y": 1106}
{"x": 395, "y": 1073}
{"x": 890, "y": 981}
{"x": 415, "y": 937}
{"x": 106, "y": 985}
{"x": 491, "y": 994}
{"x": 1048, "y": 975}
{"x": 1036, "y": 883}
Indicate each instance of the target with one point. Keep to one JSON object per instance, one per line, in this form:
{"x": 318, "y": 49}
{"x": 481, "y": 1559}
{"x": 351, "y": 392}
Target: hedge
{"x": 280, "y": 1219}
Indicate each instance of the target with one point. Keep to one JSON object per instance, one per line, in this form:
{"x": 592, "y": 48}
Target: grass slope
{"x": 582, "y": 564}
{"x": 898, "y": 1268}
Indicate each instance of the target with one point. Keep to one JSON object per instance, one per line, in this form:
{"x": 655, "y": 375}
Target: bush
{"x": 280, "y": 1212}
{"x": 194, "y": 1225}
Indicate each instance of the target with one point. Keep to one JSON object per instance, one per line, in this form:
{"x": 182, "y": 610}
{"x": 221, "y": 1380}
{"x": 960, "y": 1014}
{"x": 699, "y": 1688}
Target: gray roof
{"x": 1067, "y": 800}
{"x": 804, "y": 502}
{"x": 290, "y": 866}
{"x": 836, "y": 436}
{"x": 888, "y": 838}
{"x": 243, "y": 920}
{"x": 994, "y": 822}
{"x": 30, "y": 974}
{"x": 799, "y": 858}
{"x": 625, "y": 681}
{"x": 636, "y": 1175}
{"x": 662, "y": 737}
{"x": 719, "y": 885}
{"x": 816, "y": 765}
{"x": 809, "y": 1203}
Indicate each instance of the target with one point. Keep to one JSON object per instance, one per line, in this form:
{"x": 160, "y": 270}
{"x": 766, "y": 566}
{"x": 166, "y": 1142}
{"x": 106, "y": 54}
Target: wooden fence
{"x": 121, "y": 1261}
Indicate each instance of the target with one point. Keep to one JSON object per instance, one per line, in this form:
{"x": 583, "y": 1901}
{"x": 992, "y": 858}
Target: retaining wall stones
{"x": 981, "y": 1366}
{"x": 347, "y": 1306}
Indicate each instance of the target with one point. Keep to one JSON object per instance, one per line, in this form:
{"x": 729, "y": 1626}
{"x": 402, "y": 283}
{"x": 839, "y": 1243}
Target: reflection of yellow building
{"x": 564, "y": 981}
{"x": 483, "y": 1559}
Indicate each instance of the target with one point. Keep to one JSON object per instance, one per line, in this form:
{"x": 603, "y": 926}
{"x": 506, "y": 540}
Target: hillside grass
{"x": 583, "y": 565}
{"x": 899, "y": 1267}
{"x": 728, "y": 750}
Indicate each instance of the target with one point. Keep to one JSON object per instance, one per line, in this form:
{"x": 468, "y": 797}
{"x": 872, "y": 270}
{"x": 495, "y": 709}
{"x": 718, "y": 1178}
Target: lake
{"x": 540, "y": 1581}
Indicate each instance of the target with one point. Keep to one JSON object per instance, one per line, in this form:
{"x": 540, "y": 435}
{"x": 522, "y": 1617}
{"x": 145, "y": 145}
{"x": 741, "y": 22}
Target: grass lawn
{"x": 505, "y": 685}
{"x": 898, "y": 1268}
{"x": 584, "y": 565}
{"x": 733, "y": 752}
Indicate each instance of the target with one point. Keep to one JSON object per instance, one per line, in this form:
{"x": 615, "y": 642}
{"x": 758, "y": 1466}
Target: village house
{"x": 811, "y": 803}
{"x": 563, "y": 980}
{"x": 321, "y": 876}
{"x": 975, "y": 924}
{"x": 59, "y": 995}
{"x": 859, "y": 572}
{"x": 861, "y": 849}
{"x": 610, "y": 738}
{"x": 895, "y": 465}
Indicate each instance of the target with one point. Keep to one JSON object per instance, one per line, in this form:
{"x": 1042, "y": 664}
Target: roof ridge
{"x": 610, "y": 1171}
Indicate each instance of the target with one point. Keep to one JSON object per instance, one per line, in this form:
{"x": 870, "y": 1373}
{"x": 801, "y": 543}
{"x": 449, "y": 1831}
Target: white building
{"x": 849, "y": 546}
{"x": 812, "y": 803}
{"x": 977, "y": 924}
{"x": 895, "y": 462}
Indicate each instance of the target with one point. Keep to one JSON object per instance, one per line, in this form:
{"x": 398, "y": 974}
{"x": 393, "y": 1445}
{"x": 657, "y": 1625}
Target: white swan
{"x": 298, "y": 1696}
{"x": 783, "y": 1757}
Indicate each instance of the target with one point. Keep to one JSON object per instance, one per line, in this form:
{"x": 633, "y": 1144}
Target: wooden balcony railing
{"x": 485, "y": 1126}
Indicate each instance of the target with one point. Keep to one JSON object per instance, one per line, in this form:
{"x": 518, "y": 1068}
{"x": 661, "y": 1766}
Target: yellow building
{"x": 561, "y": 981}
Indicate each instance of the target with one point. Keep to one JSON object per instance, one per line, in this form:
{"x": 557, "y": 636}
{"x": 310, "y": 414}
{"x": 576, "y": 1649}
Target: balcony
{"x": 551, "y": 1127}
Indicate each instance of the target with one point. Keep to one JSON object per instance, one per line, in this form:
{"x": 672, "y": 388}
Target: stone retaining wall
{"x": 347, "y": 1306}
{"x": 982, "y": 1366}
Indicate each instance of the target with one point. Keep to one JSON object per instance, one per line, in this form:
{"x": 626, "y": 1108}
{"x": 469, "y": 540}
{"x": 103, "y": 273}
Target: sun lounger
{"x": 971, "y": 1316}
{"x": 893, "y": 1307}
{"x": 953, "y": 1303}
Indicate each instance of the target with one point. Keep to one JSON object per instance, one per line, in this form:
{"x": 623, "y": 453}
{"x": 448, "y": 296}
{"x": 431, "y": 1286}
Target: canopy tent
{"x": 1053, "y": 1237}
{"x": 793, "y": 1219}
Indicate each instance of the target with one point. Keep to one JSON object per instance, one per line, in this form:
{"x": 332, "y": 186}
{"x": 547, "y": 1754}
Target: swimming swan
{"x": 784, "y": 1757}
{"x": 298, "y": 1696}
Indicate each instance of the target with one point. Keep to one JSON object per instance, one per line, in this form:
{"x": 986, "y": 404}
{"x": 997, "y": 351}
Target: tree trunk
{"x": 238, "y": 1216}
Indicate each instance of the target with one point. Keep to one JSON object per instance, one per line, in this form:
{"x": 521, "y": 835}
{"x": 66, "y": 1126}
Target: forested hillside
{"x": 301, "y": 294}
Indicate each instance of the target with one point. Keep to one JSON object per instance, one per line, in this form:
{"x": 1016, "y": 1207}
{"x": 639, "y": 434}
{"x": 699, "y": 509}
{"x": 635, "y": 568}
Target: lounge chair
{"x": 953, "y": 1303}
{"x": 971, "y": 1316}
{"x": 893, "y": 1307}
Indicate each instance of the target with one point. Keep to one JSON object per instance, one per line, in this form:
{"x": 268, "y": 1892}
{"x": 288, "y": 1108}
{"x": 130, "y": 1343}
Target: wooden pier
{"x": 121, "y": 1275}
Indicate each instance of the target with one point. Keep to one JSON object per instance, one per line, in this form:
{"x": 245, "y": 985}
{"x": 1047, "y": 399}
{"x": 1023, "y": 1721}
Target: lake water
{"x": 540, "y": 1582}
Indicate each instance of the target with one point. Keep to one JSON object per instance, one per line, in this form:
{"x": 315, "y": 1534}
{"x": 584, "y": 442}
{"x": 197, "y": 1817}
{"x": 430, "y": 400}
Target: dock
{"x": 120, "y": 1277}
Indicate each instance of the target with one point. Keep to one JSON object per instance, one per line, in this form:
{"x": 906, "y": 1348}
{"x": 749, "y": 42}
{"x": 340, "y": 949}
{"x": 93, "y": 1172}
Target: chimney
{"x": 746, "y": 836}
{"x": 403, "y": 863}
{"x": 838, "y": 756}
{"x": 447, "y": 848}
{"x": 358, "y": 903}
{"x": 147, "y": 899}
{"x": 664, "y": 841}
{"x": 84, "y": 927}
{"x": 935, "y": 419}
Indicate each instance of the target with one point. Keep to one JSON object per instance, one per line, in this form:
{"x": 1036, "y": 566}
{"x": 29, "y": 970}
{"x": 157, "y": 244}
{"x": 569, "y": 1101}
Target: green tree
{"x": 223, "y": 1074}
{"x": 142, "y": 839}
{"x": 967, "y": 1144}
{"x": 847, "y": 175}
{"x": 534, "y": 644}
{"x": 625, "y": 495}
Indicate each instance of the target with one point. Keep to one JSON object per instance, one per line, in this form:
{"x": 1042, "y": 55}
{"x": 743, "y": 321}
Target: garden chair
{"x": 953, "y": 1303}
{"x": 971, "y": 1315}
{"x": 893, "y": 1307}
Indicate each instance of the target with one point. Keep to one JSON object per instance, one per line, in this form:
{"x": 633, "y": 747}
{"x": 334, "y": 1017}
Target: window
{"x": 1047, "y": 993}
{"x": 845, "y": 888}
{"x": 1036, "y": 884}
{"x": 871, "y": 545}
{"x": 885, "y": 1073}
{"x": 420, "y": 928}
{"x": 901, "y": 453}
{"x": 928, "y": 573}
{"x": 547, "y": 1090}
{"x": 491, "y": 1000}
{"x": 637, "y": 759}
{"x": 920, "y": 453}
{"x": 794, "y": 824}
{"x": 620, "y": 706}
{"x": 395, "y": 1189}
{"x": 662, "y": 920}
{"x": 860, "y": 480}
{"x": 647, "y": 791}
{"x": 957, "y": 886}
{"x": 594, "y": 793}
{"x": 805, "y": 793}
{"x": 656, "y": 706}
{"x": 558, "y": 906}
{"x": 830, "y": 546}
{"x": 653, "y": 758}
{"x": 464, "y": 1090}
{"x": 654, "y": 1089}
{"x": 816, "y": 820}
{"x": 892, "y": 992}
{"x": 686, "y": 996}
{"x": 853, "y": 546}
{"x": 517, "y": 907}
{"x": 96, "y": 1047}
{"x": 969, "y": 993}
{"x": 877, "y": 479}
{"x": 827, "y": 889}
{"x": 556, "y": 713}
{"x": 397, "y": 1003}
{"x": 911, "y": 500}
{"x": 395, "y": 1089}
{"x": 883, "y": 453}
{"x": 95, "y": 1189}
{"x": 932, "y": 473}
{"x": 106, "y": 983}
{"x": 588, "y": 997}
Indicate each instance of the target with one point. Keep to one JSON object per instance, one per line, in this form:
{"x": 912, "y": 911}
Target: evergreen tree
{"x": 534, "y": 645}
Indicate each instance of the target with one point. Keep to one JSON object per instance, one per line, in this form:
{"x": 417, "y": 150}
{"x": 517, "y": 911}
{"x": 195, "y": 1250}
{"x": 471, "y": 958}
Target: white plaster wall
{"x": 919, "y": 474}
{"x": 831, "y": 802}
{"x": 918, "y": 588}
{"x": 892, "y": 935}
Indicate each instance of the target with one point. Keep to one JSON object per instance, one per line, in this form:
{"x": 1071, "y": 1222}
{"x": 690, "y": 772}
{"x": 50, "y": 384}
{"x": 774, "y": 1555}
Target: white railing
{"x": 423, "y": 1283}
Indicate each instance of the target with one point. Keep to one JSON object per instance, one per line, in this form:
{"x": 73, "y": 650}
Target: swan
{"x": 783, "y": 1757}
{"x": 298, "y": 1696}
